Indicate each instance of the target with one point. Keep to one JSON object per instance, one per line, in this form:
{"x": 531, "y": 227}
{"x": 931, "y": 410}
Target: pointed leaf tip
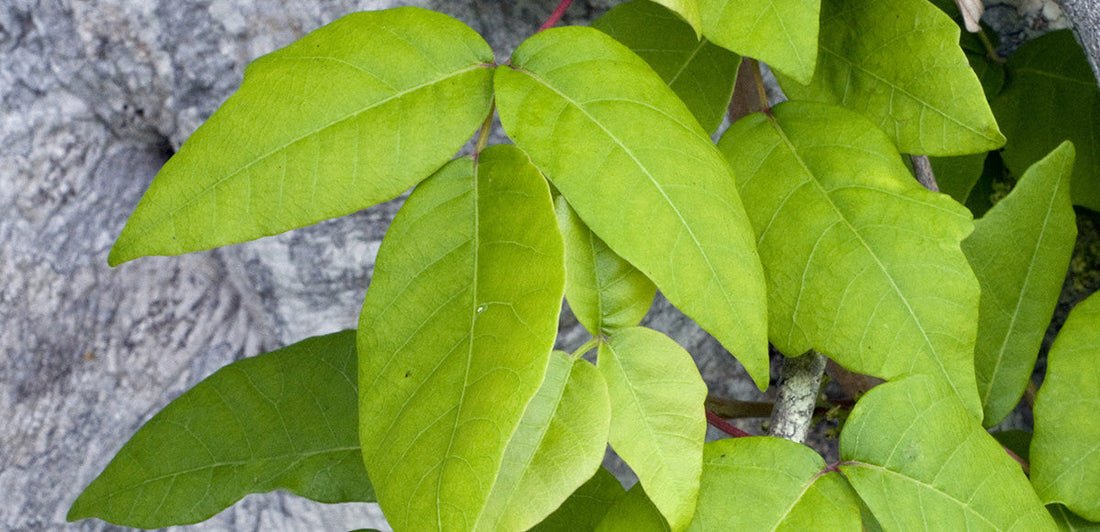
{"x": 345, "y": 118}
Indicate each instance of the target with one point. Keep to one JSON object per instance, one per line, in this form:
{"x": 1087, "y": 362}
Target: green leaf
{"x": 688, "y": 11}
{"x": 284, "y": 420}
{"x": 657, "y": 418}
{"x": 920, "y": 462}
{"x": 1065, "y": 449}
{"x": 891, "y": 62}
{"x": 1051, "y": 96}
{"x": 348, "y": 116}
{"x": 958, "y": 176}
{"x": 782, "y": 33}
{"x": 583, "y": 511}
{"x": 1020, "y": 252}
{"x": 765, "y": 483}
{"x": 560, "y": 442}
{"x": 701, "y": 73}
{"x": 1070, "y": 522}
{"x": 1017, "y": 441}
{"x": 990, "y": 73}
{"x": 635, "y": 166}
{"x": 633, "y": 512}
{"x": 863, "y": 263}
{"x": 604, "y": 291}
{"x": 456, "y": 334}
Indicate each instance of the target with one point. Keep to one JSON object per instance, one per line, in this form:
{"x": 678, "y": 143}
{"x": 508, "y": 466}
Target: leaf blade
{"x": 898, "y": 464}
{"x": 783, "y": 33}
{"x": 701, "y": 73}
{"x": 474, "y": 251}
{"x": 600, "y": 125}
{"x": 313, "y": 379}
{"x": 604, "y": 291}
{"x": 1036, "y": 122}
{"x": 887, "y": 61}
{"x": 841, "y": 223}
{"x": 1036, "y": 223}
{"x": 1065, "y": 457}
{"x": 559, "y": 444}
{"x": 657, "y": 418}
{"x": 775, "y": 484}
{"x": 276, "y": 154}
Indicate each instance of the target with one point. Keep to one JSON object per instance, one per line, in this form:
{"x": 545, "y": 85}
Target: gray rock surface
{"x": 94, "y": 96}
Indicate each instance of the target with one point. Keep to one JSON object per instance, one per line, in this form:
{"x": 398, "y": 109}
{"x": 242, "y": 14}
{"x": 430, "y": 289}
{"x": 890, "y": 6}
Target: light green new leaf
{"x": 1051, "y": 96}
{"x": 863, "y": 263}
{"x": 560, "y": 442}
{"x": 897, "y": 63}
{"x": 701, "y": 73}
{"x": 765, "y": 483}
{"x": 634, "y": 512}
{"x": 920, "y": 462}
{"x": 1065, "y": 450}
{"x": 455, "y": 337}
{"x": 586, "y": 507}
{"x": 1070, "y": 522}
{"x": 284, "y": 420}
{"x": 1020, "y": 251}
{"x": 638, "y": 170}
{"x": 782, "y": 33}
{"x": 348, "y": 116}
{"x": 657, "y": 418}
{"x": 604, "y": 291}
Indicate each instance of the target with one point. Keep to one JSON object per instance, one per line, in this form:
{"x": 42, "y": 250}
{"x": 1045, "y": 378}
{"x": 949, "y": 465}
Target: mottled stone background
{"x": 94, "y": 96}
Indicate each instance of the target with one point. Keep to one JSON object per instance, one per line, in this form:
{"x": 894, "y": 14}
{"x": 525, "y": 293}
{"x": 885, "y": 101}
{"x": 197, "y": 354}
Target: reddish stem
{"x": 724, "y": 426}
{"x": 1023, "y": 463}
{"x": 556, "y": 15}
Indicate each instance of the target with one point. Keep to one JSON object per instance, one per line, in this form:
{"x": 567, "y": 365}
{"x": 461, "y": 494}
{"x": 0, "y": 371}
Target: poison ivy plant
{"x": 240, "y": 431}
{"x": 803, "y": 226}
{"x": 1020, "y": 251}
{"x": 1050, "y": 96}
{"x": 1065, "y": 454}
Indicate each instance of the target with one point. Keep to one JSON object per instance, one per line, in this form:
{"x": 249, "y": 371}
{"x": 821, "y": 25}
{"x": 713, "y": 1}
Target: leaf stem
{"x": 585, "y": 348}
{"x": 922, "y": 167}
{"x": 761, "y": 91}
{"x": 799, "y": 386}
{"x": 483, "y": 134}
{"x": 717, "y": 422}
{"x": 556, "y": 15}
{"x": 990, "y": 50}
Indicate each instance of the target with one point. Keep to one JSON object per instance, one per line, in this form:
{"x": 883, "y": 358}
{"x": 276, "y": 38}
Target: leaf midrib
{"x": 897, "y": 88}
{"x": 882, "y": 267}
{"x": 171, "y": 213}
{"x": 925, "y": 485}
{"x": 643, "y": 168}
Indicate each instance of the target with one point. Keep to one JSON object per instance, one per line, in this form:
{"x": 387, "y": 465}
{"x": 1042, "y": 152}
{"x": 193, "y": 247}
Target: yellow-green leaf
{"x": 898, "y": 63}
{"x": 1065, "y": 450}
{"x": 1020, "y": 251}
{"x": 455, "y": 336}
{"x": 640, "y": 172}
{"x": 657, "y": 418}
{"x": 863, "y": 264}
{"x": 921, "y": 462}
{"x": 350, "y": 115}
{"x": 560, "y": 442}
{"x": 782, "y": 33}
{"x": 765, "y": 483}
{"x": 604, "y": 291}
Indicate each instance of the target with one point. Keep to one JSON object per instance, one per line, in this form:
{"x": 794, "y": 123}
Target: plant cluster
{"x": 803, "y": 228}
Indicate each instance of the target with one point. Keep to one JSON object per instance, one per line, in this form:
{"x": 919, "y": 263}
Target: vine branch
{"x": 717, "y": 422}
{"x": 799, "y": 385}
{"x": 556, "y": 15}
